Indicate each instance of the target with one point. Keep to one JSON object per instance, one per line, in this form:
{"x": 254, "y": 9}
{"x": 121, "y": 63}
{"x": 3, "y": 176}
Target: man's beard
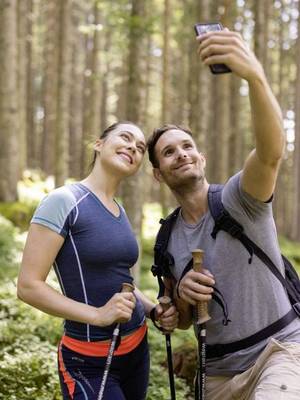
{"x": 187, "y": 185}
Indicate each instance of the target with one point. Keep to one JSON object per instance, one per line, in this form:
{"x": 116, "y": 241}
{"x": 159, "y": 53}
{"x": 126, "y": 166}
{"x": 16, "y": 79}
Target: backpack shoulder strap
{"x": 215, "y": 204}
{"x": 224, "y": 221}
{"x": 163, "y": 259}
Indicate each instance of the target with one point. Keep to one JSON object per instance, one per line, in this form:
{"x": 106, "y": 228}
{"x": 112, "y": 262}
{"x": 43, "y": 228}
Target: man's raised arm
{"x": 262, "y": 165}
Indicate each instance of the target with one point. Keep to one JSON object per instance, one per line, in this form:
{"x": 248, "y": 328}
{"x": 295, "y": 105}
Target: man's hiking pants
{"x": 275, "y": 376}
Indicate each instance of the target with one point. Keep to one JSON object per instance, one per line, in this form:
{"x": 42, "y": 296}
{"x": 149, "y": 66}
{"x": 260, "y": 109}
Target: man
{"x": 254, "y": 296}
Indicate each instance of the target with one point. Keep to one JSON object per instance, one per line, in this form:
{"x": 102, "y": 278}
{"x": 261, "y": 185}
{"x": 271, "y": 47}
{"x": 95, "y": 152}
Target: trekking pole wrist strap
{"x": 177, "y": 290}
{"x": 152, "y": 317}
{"x": 152, "y": 314}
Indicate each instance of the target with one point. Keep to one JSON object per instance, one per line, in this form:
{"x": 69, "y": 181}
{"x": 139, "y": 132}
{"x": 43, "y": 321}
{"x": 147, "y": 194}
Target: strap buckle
{"x": 155, "y": 269}
{"x": 296, "y": 308}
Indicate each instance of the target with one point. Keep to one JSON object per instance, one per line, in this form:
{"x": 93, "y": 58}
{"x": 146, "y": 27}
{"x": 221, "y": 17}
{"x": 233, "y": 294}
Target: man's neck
{"x": 193, "y": 202}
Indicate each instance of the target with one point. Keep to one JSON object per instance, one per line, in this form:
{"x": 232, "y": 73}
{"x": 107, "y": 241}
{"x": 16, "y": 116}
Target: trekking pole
{"x": 165, "y": 302}
{"x": 126, "y": 287}
{"x": 202, "y": 318}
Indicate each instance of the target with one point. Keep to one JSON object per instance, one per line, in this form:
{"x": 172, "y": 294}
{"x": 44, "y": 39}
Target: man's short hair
{"x": 153, "y": 139}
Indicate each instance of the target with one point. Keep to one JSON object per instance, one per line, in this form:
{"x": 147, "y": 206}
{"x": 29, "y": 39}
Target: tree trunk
{"x": 23, "y": 12}
{"x": 219, "y": 136}
{"x": 236, "y": 135}
{"x": 199, "y": 80}
{"x": 95, "y": 80}
{"x": 9, "y": 146}
{"x": 77, "y": 94}
{"x": 134, "y": 84}
{"x": 122, "y": 90}
{"x": 50, "y": 86}
{"x": 132, "y": 192}
{"x": 180, "y": 89}
{"x": 85, "y": 153}
{"x": 261, "y": 18}
{"x": 235, "y": 140}
{"x": 105, "y": 81}
{"x": 63, "y": 93}
{"x": 93, "y": 87}
{"x": 279, "y": 206}
{"x": 204, "y": 86}
{"x": 33, "y": 161}
{"x": 165, "y": 111}
{"x": 296, "y": 202}
{"x": 166, "y": 64}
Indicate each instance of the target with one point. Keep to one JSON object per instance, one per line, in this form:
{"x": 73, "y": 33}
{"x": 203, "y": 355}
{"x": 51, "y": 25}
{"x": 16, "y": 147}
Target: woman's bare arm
{"x": 41, "y": 249}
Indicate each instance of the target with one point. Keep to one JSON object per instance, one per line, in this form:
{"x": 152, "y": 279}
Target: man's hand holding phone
{"x": 202, "y": 29}
{"x": 225, "y": 51}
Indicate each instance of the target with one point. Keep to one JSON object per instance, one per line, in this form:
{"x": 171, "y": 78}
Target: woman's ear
{"x": 157, "y": 175}
{"x": 98, "y": 144}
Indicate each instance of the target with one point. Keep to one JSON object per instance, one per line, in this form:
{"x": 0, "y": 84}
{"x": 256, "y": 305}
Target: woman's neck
{"x": 101, "y": 184}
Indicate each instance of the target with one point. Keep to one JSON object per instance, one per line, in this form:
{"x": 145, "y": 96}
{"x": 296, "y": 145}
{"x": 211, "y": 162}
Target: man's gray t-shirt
{"x": 254, "y": 296}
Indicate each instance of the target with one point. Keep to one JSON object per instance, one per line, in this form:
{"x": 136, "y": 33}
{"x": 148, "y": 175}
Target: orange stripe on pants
{"x": 68, "y": 380}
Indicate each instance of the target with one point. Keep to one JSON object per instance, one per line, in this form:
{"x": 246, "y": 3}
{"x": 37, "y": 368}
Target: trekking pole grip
{"x": 127, "y": 288}
{"x": 202, "y": 306}
{"x": 165, "y": 302}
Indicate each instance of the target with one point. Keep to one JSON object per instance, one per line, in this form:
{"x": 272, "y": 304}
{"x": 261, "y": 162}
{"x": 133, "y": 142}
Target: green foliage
{"x": 148, "y": 245}
{"x": 291, "y": 250}
{"x": 147, "y": 281}
{"x": 159, "y": 381}
{"x": 18, "y": 213}
{"x": 27, "y": 374}
{"x": 31, "y": 189}
{"x": 152, "y": 214}
{"x": 34, "y": 185}
{"x": 27, "y": 350}
{"x": 18, "y": 321}
{"x": 10, "y": 248}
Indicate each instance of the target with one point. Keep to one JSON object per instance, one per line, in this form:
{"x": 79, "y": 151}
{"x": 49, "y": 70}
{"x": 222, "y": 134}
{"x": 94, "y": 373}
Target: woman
{"x": 84, "y": 233}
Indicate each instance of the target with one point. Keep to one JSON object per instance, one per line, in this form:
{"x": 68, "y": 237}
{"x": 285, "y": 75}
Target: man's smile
{"x": 183, "y": 165}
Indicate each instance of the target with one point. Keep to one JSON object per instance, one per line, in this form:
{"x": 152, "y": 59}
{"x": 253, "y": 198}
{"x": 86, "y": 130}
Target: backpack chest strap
{"x": 220, "y": 350}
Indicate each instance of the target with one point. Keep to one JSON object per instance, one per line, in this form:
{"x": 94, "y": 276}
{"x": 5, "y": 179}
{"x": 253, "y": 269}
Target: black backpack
{"x": 163, "y": 263}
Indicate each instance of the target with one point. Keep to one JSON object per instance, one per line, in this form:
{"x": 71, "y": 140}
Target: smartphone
{"x": 200, "y": 29}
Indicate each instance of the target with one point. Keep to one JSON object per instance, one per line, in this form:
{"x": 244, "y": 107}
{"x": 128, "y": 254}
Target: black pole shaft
{"x": 170, "y": 366}
{"x": 201, "y": 331}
